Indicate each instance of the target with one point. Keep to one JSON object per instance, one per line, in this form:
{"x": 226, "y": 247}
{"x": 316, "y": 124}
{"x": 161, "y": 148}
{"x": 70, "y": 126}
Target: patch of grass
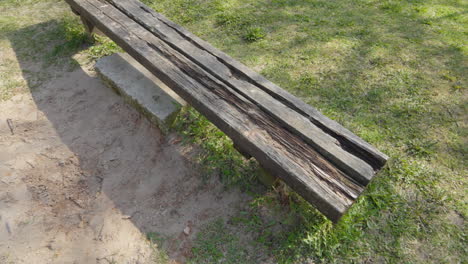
{"x": 76, "y": 39}
{"x": 58, "y": 36}
{"x": 103, "y": 47}
{"x": 155, "y": 238}
{"x": 232, "y": 20}
{"x": 8, "y": 87}
{"x": 254, "y": 34}
{"x": 20, "y": 28}
{"x": 7, "y": 4}
{"x": 156, "y": 241}
{"x": 219, "y": 155}
{"x": 214, "y": 245}
{"x": 73, "y": 35}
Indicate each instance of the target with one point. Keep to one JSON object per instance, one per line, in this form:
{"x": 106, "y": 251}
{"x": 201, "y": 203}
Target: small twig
{"x": 7, "y": 226}
{"x": 100, "y": 233}
{"x": 90, "y": 146}
{"x": 75, "y": 202}
{"x": 451, "y": 115}
{"x": 32, "y": 166}
{"x": 10, "y": 125}
{"x": 106, "y": 258}
{"x": 47, "y": 156}
{"x": 126, "y": 217}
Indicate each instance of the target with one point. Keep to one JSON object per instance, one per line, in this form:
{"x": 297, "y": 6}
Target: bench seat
{"x": 321, "y": 160}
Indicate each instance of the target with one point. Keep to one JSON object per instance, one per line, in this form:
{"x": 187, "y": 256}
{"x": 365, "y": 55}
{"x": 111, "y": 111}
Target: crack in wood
{"x": 345, "y": 162}
{"x": 238, "y": 74}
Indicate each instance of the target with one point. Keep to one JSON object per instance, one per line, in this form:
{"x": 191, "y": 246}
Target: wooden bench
{"x": 321, "y": 160}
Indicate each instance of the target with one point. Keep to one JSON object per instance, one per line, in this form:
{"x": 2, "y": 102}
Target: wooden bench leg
{"x": 266, "y": 178}
{"x": 74, "y": 11}
{"x": 89, "y": 27}
{"x": 270, "y": 181}
{"x": 242, "y": 151}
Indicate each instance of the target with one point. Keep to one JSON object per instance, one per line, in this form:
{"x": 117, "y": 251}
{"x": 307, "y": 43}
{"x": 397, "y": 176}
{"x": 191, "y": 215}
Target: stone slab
{"x": 140, "y": 88}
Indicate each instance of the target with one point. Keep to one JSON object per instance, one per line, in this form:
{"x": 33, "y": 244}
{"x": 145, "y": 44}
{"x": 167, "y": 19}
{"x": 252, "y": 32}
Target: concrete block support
{"x": 141, "y": 89}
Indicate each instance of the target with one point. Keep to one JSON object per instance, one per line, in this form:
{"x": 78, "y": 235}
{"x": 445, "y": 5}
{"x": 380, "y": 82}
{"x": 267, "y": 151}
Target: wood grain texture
{"x": 294, "y": 121}
{"x": 344, "y": 136}
{"x": 325, "y": 163}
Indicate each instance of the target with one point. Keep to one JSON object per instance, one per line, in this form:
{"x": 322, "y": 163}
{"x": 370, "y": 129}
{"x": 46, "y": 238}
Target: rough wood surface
{"x": 173, "y": 33}
{"x": 325, "y": 163}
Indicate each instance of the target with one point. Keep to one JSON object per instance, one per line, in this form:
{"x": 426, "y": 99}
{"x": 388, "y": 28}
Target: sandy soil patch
{"x": 84, "y": 177}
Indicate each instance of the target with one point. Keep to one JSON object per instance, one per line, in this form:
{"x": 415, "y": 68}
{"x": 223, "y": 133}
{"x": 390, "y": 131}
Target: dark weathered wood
{"x": 294, "y": 121}
{"x": 89, "y": 27}
{"x": 242, "y": 151}
{"x": 74, "y": 11}
{"x": 319, "y": 159}
{"x": 346, "y": 138}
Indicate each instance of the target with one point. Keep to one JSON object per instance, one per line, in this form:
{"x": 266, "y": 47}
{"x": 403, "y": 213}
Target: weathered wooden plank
{"x": 279, "y": 150}
{"x": 346, "y": 139}
{"x": 294, "y": 121}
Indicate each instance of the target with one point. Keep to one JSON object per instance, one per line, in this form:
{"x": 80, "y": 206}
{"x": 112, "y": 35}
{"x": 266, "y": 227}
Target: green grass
{"x": 158, "y": 253}
{"x": 393, "y": 72}
{"x": 43, "y": 35}
{"x": 214, "y": 245}
{"x": 219, "y": 156}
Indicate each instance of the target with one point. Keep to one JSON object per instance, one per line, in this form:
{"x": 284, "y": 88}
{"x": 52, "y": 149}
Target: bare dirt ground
{"x": 84, "y": 177}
